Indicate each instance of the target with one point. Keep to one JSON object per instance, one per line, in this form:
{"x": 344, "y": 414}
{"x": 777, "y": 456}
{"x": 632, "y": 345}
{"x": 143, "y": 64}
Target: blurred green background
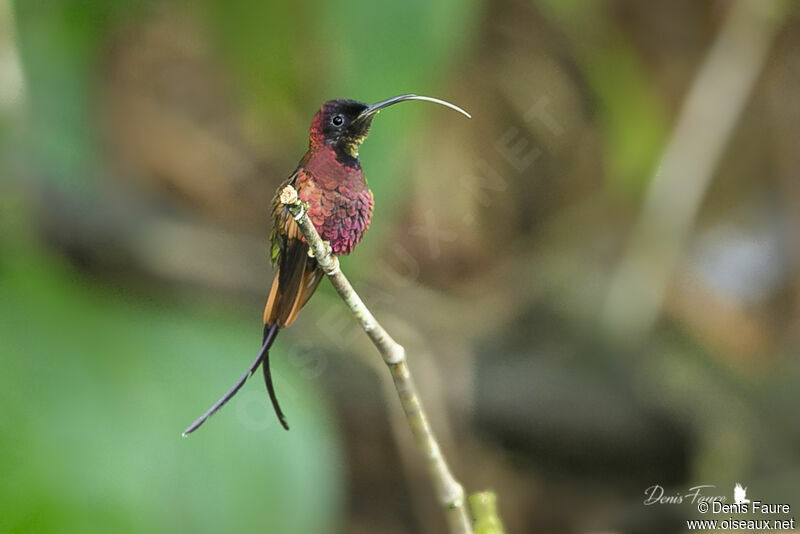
{"x": 597, "y": 278}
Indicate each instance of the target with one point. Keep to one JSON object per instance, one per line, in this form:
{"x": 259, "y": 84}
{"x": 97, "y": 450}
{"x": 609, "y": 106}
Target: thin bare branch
{"x": 449, "y": 491}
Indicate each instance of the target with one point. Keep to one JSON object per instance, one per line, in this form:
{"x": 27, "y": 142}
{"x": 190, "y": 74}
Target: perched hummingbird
{"x": 330, "y": 179}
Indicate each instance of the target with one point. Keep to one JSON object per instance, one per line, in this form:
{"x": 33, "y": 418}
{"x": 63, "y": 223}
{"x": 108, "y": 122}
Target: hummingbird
{"x": 329, "y": 178}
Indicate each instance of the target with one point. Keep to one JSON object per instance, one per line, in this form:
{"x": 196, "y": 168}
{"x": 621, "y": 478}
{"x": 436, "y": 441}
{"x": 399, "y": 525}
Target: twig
{"x": 484, "y": 508}
{"x": 449, "y": 491}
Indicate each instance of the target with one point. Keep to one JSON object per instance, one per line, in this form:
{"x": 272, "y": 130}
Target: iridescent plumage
{"x": 330, "y": 180}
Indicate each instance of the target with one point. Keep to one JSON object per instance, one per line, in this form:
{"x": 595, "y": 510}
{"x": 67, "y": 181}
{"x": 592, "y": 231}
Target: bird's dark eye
{"x": 337, "y": 120}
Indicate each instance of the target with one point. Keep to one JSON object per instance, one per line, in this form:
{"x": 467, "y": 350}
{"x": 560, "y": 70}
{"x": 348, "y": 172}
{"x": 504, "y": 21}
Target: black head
{"x": 344, "y": 124}
{"x": 337, "y": 124}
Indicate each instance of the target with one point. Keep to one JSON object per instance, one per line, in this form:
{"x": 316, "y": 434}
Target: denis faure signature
{"x": 656, "y": 494}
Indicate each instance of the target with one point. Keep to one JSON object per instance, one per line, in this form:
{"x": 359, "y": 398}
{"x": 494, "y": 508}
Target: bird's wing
{"x": 297, "y": 275}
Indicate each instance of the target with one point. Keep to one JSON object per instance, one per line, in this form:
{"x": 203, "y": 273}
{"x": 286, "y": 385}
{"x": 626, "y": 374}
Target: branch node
{"x": 289, "y": 195}
{"x": 456, "y": 503}
{"x": 291, "y": 200}
{"x": 396, "y": 355}
{"x": 334, "y": 263}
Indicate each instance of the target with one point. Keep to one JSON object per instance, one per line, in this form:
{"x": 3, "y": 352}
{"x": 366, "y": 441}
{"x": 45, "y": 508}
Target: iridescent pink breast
{"x": 340, "y": 213}
{"x": 347, "y": 220}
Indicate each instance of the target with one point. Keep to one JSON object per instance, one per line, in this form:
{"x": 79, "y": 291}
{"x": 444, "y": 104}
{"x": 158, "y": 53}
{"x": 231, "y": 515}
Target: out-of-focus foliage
{"x": 98, "y": 381}
{"x": 141, "y": 143}
{"x": 629, "y": 109}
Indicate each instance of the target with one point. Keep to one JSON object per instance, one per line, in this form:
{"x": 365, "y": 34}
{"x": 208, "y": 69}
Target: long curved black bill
{"x": 376, "y": 107}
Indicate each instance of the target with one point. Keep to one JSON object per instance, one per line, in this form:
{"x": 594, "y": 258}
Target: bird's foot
{"x": 328, "y": 250}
